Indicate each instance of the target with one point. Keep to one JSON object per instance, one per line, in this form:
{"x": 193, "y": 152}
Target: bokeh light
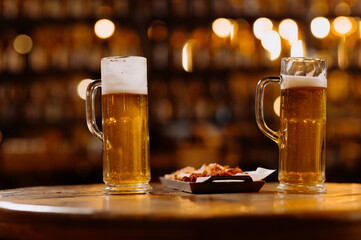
{"x": 104, "y": 28}
{"x": 319, "y": 8}
{"x": 271, "y": 41}
{"x": 260, "y": 26}
{"x": 157, "y": 31}
{"x": 277, "y": 106}
{"x": 342, "y": 25}
{"x": 297, "y": 49}
{"x": 233, "y": 32}
{"x": 222, "y": 27}
{"x": 82, "y": 86}
{"x": 342, "y": 8}
{"x": 177, "y": 38}
{"x": 288, "y": 30}
{"x": 23, "y": 44}
{"x": 320, "y": 27}
{"x": 187, "y": 56}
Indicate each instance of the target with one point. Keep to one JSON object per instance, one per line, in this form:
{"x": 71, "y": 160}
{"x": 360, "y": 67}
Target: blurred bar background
{"x": 205, "y": 58}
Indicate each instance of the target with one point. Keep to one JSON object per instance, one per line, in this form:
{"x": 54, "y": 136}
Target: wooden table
{"x": 83, "y": 212}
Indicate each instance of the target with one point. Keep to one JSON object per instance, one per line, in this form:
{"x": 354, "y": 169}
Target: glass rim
{"x": 303, "y": 59}
{"x": 116, "y": 58}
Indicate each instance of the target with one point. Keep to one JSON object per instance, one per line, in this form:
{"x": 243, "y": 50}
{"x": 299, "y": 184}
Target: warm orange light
{"x": 187, "y": 56}
{"x": 222, "y": 27}
{"x": 23, "y": 44}
{"x": 82, "y": 86}
{"x": 320, "y": 27}
{"x": 344, "y": 26}
{"x": 271, "y": 41}
{"x": 288, "y": 30}
{"x": 104, "y": 28}
{"x": 157, "y": 31}
{"x": 297, "y": 49}
{"x": 277, "y": 106}
{"x": 260, "y": 26}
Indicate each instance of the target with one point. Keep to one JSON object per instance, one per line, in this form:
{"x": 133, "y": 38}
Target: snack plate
{"x": 215, "y": 184}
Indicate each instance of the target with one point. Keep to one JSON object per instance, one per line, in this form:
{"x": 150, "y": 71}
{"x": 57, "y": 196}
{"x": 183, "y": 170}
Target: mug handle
{"x": 90, "y": 109}
{"x": 259, "y": 107}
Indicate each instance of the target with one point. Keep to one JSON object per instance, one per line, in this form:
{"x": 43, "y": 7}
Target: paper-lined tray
{"x": 245, "y": 182}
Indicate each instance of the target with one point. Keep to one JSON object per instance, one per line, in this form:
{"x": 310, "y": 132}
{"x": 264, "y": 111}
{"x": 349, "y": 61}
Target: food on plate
{"x": 190, "y": 174}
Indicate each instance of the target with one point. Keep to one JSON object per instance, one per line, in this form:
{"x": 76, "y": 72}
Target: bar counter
{"x": 83, "y": 212}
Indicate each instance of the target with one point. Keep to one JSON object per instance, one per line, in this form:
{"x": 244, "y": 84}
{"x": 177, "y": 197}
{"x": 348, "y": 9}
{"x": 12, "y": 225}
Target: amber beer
{"x": 125, "y": 133}
{"x": 302, "y": 136}
{"x": 126, "y": 139}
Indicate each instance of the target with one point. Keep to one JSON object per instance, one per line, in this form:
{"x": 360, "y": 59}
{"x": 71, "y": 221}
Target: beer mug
{"x": 125, "y": 129}
{"x": 302, "y": 135}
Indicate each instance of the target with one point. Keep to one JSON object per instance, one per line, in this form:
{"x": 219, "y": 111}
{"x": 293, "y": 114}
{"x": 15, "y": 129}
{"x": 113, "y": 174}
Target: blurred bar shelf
{"x": 201, "y": 114}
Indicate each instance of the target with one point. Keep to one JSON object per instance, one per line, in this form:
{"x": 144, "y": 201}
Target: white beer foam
{"x": 303, "y": 81}
{"x": 124, "y": 75}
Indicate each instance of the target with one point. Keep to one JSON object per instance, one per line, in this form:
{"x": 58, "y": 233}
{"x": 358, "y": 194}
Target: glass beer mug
{"x": 302, "y": 135}
{"x": 125, "y": 129}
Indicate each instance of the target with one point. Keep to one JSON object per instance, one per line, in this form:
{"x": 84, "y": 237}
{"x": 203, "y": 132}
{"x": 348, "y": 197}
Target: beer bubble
{"x": 110, "y": 121}
{"x": 125, "y": 120}
{"x": 108, "y": 146}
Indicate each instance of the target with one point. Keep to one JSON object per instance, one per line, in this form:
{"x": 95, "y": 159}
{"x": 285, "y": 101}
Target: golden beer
{"x": 126, "y": 139}
{"x": 125, "y": 133}
{"x": 302, "y": 136}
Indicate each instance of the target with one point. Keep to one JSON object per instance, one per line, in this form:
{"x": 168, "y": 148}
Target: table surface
{"x": 82, "y": 211}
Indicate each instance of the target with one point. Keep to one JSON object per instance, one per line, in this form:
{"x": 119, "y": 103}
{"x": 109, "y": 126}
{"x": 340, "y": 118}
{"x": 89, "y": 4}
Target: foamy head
{"x": 124, "y": 75}
{"x": 303, "y": 81}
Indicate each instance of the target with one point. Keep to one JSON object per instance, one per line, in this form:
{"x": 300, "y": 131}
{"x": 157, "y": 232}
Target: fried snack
{"x": 190, "y": 174}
